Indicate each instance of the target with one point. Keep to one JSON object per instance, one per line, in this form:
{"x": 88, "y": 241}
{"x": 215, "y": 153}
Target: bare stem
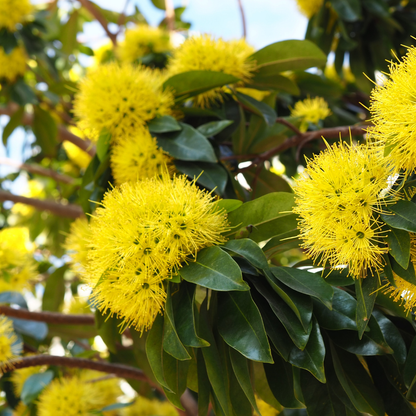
{"x": 70, "y": 210}
{"x": 243, "y": 18}
{"x": 170, "y": 15}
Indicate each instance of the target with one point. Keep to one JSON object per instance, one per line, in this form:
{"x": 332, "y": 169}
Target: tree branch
{"x": 243, "y": 18}
{"x": 38, "y": 170}
{"x": 70, "y": 210}
{"x": 170, "y": 15}
{"x": 63, "y": 133}
{"x": 100, "y": 19}
{"x": 292, "y": 127}
{"x": 48, "y": 317}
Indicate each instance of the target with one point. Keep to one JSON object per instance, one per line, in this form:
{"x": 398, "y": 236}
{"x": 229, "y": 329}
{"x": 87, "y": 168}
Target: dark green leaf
{"x": 191, "y": 83}
{"x": 258, "y": 107}
{"x": 210, "y": 175}
{"x": 214, "y": 127}
{"x": 282, "y": 243}
{"x": 45, "y": 129}
{"x": 69, "y": 33}
{"x": 186, "y": 316}
{"x": 265, "y": 217}
{"x": 22, "y": 94}
{"x": 366, "y": 292}
{"x": 265, "y": 182}
{"x": 175, "y": 373}
{"x": 228, "y": 204}
{"x": 14, "y": 122}
{"x": 264, "y": 80}
{"x": 54, "y": 293}
{"x": 204, "y": 386}
{"x": 399, "y": 244}
{"x": 171, "y": 342}
{"x": 214, "y": 269}
{"x": 409, "y": 371}
{"x": 241, "y": 326}
{"x": 188, "y": 144}
{"x": 249, "y": 250}
{"x": 34, "y": 385}
{"x": 103, "y": 145}
{"x": 289, "y": 55}
{"x": 163, "y": 124}
{"x": 408, "y": 274}
{"x": 403, "y": 216}
{"x": 108, "y": 329}
{"x": 304, "y": 282}
{"x": 349, "y": 10}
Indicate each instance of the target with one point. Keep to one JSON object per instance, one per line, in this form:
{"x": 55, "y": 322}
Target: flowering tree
{"x": 206, "y": 228}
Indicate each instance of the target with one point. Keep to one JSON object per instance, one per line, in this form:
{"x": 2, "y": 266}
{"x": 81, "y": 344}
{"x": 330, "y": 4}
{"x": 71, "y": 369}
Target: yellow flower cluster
{"x": 13, "y": 12}
{"x": 12, "y": 65}
{"x": 149, "y": 407}
{"x": 10, "y": 347}
{"x": 138, "y": 157}
{"x": 77, "y": 244}
{"x": 140, "y": 236}
{"x": 17, "y": 266}
{"x": 309, "y": 7}
{"x": 392, "y": 110}
{"x": 143, "y": 40}
{"x": 120, "y": 100}
{"x": 311, "y": 110}
{"x": 209, "y": 54}
{"x": 339, "y": 196}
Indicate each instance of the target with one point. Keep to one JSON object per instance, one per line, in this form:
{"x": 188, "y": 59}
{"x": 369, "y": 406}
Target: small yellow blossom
{"x": 10, "y": 347}
{"x": 103, "y": 54}
{"x": 311, "y": 110}
{"x": 120, "y": 99}
{"x": 77, "y": 306}
{"x": 393, "y": 113}
{"x": 133, "y": 250}
{"x": 77, "y": 243}
{"x": 209, "y": 54}
{"x": 21, "y": 410}
{"x": 339, "y": 197}
{"x": 75, "y": 154}
{"x": 149, "y": 407}
{"x": 19, "y": 377}
{"x": 143, "y": 40}
{"x": 137, "y": 157}
{"x": 309, "y": 7}
{"x": 13, "y": 12}
{"x": 12, "y": 65}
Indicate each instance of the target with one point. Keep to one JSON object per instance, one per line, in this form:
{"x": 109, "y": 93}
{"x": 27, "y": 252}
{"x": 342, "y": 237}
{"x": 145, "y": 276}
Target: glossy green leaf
{"x": 249, "y": 250}
{"x": 188, "y": 84}
{"x": 409, "y": 371}
{"x": 186, "y": 317}
{"x": 108, "y": 329}
{"x": 304, "y": 282}
{"x": 210, "y": 175}
{"x": 265, "y": 217}
{"x": 366, "y": 293}
{"x": 14, "y": 122}
{"x": 407, "y": 274}
{"x": 258, "y": 107}
{"x": 312, "y": 357}
{"x": 402, "y": 216}
{"x": 154, "y": 350}
{"x": 339, "y": 277}
{"x": 265, "y": 182}
{"x": 34, "y": 385}
{"x": 281, "y": 243}
{"x": 241, "y": 370}
{"x": 54, "y": 293}
{"x": 280, "y": 378}
{"x": 103, "y": 145}
{"x": 357, "y": 383}
{"x": 228, "y": 204}
{"x": 342, "y": 315}
{"x": 204, "y": 386}
{"x": 350, "y": 10}
{"x": 214, "y": 269}
{"x": 264, "y": 80}
{"x": 45, "y": 129}
{"x": 289, "y": 55}
{"x": 241, "y": 326}
{"x": 399, "y": 244}
{"x": 188, "y": 144}
{"x": 171, "y": 341}
{"x": 214, "y": 127}
{"x": 163, "y": 124}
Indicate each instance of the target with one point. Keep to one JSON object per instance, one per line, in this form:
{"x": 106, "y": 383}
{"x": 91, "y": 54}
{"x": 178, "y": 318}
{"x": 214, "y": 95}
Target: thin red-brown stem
{"x": 243, "y": 18}
{"x": 170, "y": 15}
{"x": 38, "y": 170}
{"x": 69, "y": 211}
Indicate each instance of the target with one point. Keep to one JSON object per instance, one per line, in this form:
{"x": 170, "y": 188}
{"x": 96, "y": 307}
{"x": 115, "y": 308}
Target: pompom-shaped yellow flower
{"x": 12, "y": 65}
{"x": 209, "y": 54}
{"x": 143, "y": 40}
{"x": 21, "y": 410}
{"x": 338, "y": 198}
{"x": 133, "y": 250}
{"x": 311, "y": 110}
{"x": 393, "y": 113}
{"x": 13, "y": 12}
{"x": 77, "y": 243}
{"x": 17, "y": 266}
{"x": 309, "y": 7}
{"x": 10, "y": 347}
{"x": 149, "y": 407}
{"x": 120, "y": 99}
{"x": 70, "y": 397}
{"x": 137, "y": 157}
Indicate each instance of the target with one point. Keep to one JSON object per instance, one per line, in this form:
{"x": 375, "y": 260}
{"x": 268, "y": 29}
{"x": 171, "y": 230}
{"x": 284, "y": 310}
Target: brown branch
{"x": 70, "y": 210}
{"x": 38, "y": 170}
{"x": 48, "y": 317}
{"x": 170, "y": 15}
{"x": 289, "y": 125}
{"x": 100, "y": 19}
{"x": 63, "y": 133}
{"x": 243, "y": 18}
